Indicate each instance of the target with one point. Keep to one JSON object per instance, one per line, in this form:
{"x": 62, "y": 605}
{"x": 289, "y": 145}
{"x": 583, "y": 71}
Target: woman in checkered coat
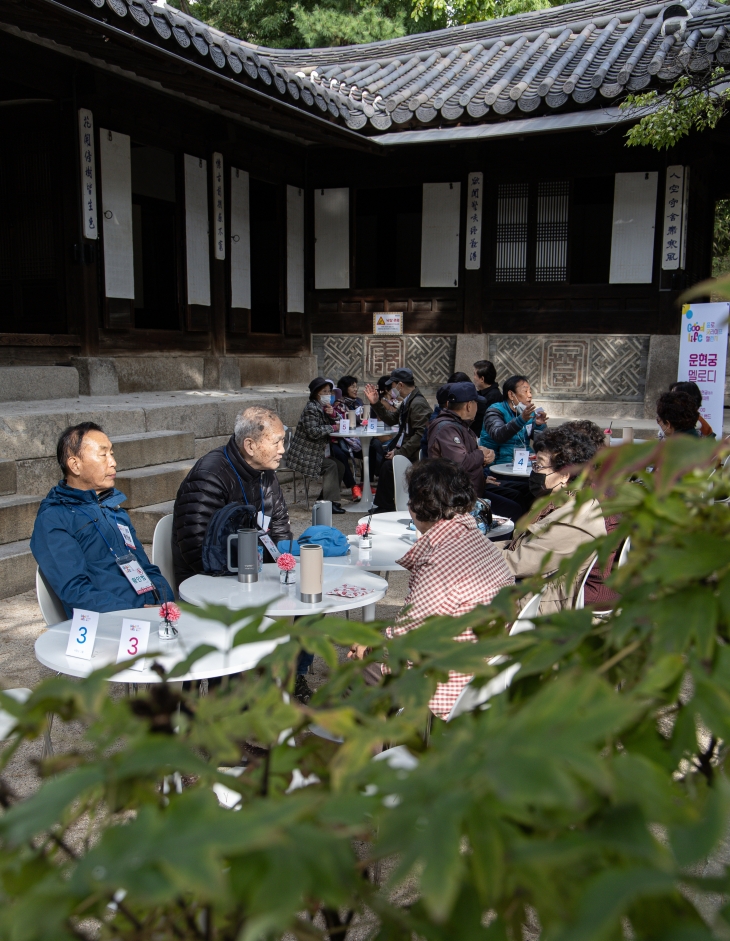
{"x": 309, "y": 451}
{"x": 453, "y": 567}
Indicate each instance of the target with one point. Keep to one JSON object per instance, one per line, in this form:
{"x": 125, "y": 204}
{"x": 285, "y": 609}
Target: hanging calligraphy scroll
{"x": 673, "y": 213}
{"x": 88, "y": 173}
{"x": 473, "y": 251}
{"x": 220, "y": 222}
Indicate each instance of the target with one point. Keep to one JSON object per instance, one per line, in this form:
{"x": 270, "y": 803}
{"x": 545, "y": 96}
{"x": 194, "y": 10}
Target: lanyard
{"x": 97, "y": 527}
{"x": 243, "y": 489}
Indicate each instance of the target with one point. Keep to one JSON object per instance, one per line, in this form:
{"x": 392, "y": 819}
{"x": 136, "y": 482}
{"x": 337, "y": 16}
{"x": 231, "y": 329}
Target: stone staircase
{"x": 157, "y": 438}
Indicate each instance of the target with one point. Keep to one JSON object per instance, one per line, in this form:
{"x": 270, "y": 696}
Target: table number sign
{"x": 372, "y": 426}
{"x": 344, "y": 426}
{"x": 83, "y": 634}
{"x": 133, "y": 641}
{"x": 522, "y": 461}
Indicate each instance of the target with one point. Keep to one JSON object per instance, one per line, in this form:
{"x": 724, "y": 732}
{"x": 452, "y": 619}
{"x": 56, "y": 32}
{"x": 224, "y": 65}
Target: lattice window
{"x": 551, "y": 257}
{"x": 512, "y": 219}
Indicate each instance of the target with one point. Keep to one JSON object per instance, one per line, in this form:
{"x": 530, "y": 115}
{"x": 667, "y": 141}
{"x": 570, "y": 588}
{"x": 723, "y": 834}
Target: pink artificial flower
{"x": 170, "y": 612}
{"x": 362, "y": 530}
{"x": 286, "y": 562}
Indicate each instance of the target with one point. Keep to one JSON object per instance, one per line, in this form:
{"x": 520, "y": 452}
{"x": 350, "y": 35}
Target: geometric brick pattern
{"x": 618, "y": 367}
{"x": 431, "y": 358}
{"x": 593, "y": 368}
{"x": 589, "y": 367}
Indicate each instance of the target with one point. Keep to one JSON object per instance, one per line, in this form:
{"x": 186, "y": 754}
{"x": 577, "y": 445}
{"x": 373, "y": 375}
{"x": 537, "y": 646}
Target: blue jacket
{"x": 73, "y": 553}
{"x": 504, "y": 430}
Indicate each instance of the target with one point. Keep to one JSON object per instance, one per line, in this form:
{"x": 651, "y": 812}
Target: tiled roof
{"x": 564, "y": 57}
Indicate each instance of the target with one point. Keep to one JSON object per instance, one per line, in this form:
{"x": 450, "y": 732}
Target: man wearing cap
{"x": 411, "y": 417}
{"x": 450, "y": 434}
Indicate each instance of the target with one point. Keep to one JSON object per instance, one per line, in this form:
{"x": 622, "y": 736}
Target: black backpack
{"x": 229, "y": 519}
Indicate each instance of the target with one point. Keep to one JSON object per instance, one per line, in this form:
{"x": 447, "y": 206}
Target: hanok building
{"x": 176, "y": 198}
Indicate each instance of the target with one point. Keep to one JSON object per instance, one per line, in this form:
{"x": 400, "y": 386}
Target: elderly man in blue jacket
{"x": 83, "y": 540}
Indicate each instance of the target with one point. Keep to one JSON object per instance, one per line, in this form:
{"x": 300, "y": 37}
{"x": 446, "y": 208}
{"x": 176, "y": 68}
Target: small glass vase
{"x": 365, "y": 542}
{"x": 287, "y": 577}
{"x": 167, "y": 630}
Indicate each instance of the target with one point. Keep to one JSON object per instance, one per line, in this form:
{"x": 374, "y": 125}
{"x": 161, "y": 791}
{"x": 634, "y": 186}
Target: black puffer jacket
{"x": 209, "y": 486}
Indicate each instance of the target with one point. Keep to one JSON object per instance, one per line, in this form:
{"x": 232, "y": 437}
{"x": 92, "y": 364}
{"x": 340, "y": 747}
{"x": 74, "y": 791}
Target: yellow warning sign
{"x": 385, "y": 322}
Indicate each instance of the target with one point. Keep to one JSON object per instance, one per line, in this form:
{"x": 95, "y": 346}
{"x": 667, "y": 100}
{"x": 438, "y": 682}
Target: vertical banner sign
{"x": 88, "y": 173}
{"x": 220, "y": 222}
{"x": 702, "y": 356}
{"x": 473, "y": 252}
{"x": 673, "y": 212}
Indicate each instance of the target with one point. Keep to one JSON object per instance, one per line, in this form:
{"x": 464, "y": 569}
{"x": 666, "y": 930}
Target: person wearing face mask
{"x": 309, "y": 451}
{"x": 556, "y": 532}
{"x": 514, "y": 422}
{"x": 411, "y": 417}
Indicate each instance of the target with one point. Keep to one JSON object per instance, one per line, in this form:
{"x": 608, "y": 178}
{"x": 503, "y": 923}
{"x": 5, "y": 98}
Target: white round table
{"x": 506, "y": 470}
{"x": 386, "y": 550}
{"x": 397, "y": 524}
{"x": 50, "y": 648}
{"x": 615, "y": 442}
{"x": 282, "y": 602}
{"x": 365, "y": 436}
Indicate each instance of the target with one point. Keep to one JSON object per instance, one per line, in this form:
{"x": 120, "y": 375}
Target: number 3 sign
{"x": 133, "y": 641}
{"x": 83, "y": 634}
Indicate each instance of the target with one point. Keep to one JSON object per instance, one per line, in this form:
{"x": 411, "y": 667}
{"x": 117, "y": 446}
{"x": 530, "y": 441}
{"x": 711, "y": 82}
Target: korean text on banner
{"x": 384, "y": 323}
{"x": 703, "y": 355}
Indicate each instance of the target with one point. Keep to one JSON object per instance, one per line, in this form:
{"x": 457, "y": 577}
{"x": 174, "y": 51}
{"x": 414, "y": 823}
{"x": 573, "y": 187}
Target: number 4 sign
{"x": 83, "y": 634}
{"x": 133, "y": 642}
{"x": 522, "y": 461}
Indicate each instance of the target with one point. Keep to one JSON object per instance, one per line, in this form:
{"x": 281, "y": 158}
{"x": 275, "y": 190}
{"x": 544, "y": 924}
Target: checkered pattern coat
{"x": 453, "y": 569}
{"x": 307, "y": 449}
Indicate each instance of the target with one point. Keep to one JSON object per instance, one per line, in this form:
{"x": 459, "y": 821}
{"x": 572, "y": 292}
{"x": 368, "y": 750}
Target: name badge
{"x": 522, "y": 461}
{"x": 133, "y": 642}
{"x": 135, "y": 574}
{"x": 344, "y": 426}
{"x": 263, "y": 521}
{"x": 268, "y": 543}
{"x": 372, "y": 426}
{"x": 83, "y": 634}
{"x": 126, "y": 536}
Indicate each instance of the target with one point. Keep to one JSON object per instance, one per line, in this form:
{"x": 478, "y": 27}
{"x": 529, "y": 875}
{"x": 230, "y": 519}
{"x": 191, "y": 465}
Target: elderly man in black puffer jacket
{"x": 241, "y": 471}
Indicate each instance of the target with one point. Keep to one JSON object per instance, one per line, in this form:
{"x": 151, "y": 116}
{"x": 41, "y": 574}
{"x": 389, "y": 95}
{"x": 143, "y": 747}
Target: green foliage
{"x": 690, "y": 105}
{"x": 311, "y": 24}
{"x": 584, "y": 800}
{"x": 475, "y": 11}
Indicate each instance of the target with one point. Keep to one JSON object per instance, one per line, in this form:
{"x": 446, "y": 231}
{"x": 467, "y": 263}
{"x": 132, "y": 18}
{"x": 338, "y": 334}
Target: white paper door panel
{"x": 634, "y": 221}
{"x": 240, "y": 240}
{"x": 332, "y": 238}
{"x": 197, "y": 249}
{"x": 116, "y": 187}
{"x": 295, "y": 249}
{"x": 440, "y": 235}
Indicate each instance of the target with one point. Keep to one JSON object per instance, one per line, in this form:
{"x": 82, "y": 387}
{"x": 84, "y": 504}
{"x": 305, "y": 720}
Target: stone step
{"x": 34, "y": 383}
{"x": 145, "y": 518}
{"x": 17, "y": 568}
{"x": 17, "y": 515}
{"x": 147, "y": 448}
{"x": 145, "y": 486}
{"x": 8, "y": 477}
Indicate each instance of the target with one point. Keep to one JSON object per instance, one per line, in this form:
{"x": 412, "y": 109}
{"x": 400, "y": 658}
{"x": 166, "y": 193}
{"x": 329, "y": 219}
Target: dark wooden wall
{"x": 480, "y": 304}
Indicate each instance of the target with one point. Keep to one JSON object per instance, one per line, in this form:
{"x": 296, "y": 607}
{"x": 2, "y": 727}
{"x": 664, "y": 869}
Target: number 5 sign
{"x": 133, "y": 642}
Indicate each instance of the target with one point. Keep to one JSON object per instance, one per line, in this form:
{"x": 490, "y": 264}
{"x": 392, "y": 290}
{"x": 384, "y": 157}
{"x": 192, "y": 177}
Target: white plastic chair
{"x": 8, "y": 721}
{"x": 48, "y": 601}
{"x": 471, "y": 697}
{"x": 400, "y": 466}
{"x": 162, "y": 550}
{"x": 580, "y": 598}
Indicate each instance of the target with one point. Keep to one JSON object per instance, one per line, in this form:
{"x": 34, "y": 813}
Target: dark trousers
{"x": 377, "y": 455}
{"x": 515, "y": 489}
{"x": 385, "y": 497}
{"x": 502, "y": 505}
{"x": 343, "y": 456}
